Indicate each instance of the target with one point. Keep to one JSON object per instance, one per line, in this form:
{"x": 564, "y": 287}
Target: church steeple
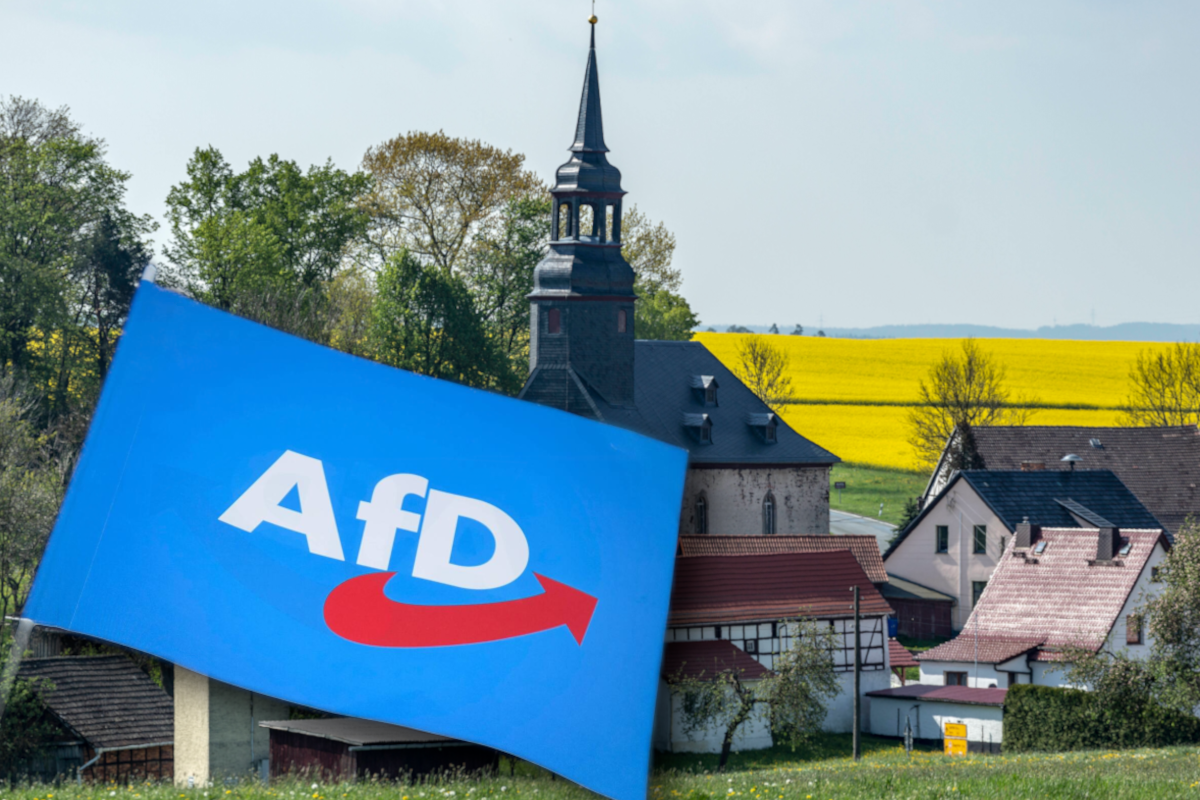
{"x": 581, "y": 337}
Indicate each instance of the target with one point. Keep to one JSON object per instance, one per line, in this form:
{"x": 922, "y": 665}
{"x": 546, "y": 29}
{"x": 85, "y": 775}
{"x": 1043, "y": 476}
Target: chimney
{"x": 1109, "y": 544}
{"x": 1033, "y": 466}
{"x": 1027, "y": 534}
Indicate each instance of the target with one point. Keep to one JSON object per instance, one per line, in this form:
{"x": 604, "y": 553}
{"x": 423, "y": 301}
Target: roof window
{"x": 705, "y": 389}
{"x": 1126, "y": 547}
{"x": 1039, "y": 548}
{"x": 699, "y": 426}
{"x": 1096, "y": 444}
{"x": 765, "y": 425}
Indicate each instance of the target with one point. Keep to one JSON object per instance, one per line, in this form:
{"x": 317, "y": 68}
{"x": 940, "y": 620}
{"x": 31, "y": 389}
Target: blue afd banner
{"x": 348, "y": 536}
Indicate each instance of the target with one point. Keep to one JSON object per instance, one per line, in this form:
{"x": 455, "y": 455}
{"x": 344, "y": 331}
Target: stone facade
{"x": 733, "y": 499}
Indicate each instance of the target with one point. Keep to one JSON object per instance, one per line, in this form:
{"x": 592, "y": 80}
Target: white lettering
{"x": 384, "y": 516}
{"x": 442, "y": 513}
{"x": 314, "y": 520}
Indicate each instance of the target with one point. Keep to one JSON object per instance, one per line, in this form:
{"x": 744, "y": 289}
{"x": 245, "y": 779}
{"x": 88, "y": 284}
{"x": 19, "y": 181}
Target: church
{"x": 749, "y": 472}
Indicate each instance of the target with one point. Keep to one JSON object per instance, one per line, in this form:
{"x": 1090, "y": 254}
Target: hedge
{"x": 1049, "y": 719}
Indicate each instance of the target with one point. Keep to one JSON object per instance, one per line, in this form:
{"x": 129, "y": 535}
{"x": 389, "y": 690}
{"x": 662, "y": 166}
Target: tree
{"x": 499, "y": 272}
{"x": 54, "y": 185}
{"x": 31, "y": 484}
{"x": 802, "y": 684}
{"x": 961, "y": 388}
{"x": 722, "y": 701}
{"x": 25, "y": 728}
{"x": 1165, "y": 387}
{"x": 432, "y": 195}
{"x": 737, "y": 329}
{"x": 661, "y": 312}
{"x": 773, "y": 329}
{"x": 273, "y": 229}
{"x": 798, "y": 330}
{"x": 964, "y": 450}
{"x": 763, "y": 367}
{"x": 351, "y": 298}
{"x": 821, "y": 333}
{"x": 425, "y": 320}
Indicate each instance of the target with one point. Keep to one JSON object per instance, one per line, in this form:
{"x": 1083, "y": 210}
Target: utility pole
{"x": 857, "y": 676}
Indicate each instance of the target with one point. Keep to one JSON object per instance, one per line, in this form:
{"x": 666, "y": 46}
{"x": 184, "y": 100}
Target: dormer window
{"x": 765, "y": 425}
{"x": 554, "y": 321}
{"x": 705, "y": 389}
{"x": 699, "y": 426}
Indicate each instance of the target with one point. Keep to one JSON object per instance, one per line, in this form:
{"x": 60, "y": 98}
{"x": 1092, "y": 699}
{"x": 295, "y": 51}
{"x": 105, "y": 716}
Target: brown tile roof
{"x": 1054, "y": 599}
{"x": 718, "y": 589}
{"x": 946, "y": 694}
{"x": 1159, "y": 465}
{"x": 709, "y": 658}
{"x": 107, "y": 700}
{"x": 864, "y": 548}
{"x": 898, "y": 655}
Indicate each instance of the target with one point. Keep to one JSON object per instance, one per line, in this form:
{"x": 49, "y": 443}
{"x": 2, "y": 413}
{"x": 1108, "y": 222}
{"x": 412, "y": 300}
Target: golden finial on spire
{"x": 593, "y": 18}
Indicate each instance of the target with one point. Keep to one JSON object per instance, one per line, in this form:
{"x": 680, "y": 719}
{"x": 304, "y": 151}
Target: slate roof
{"x": 899, "y": 656}
{"x": 106, "y": 700}
{"x": 1047, "y": 498}
{"x": 945, "y": 694}
{"x": 903, "y": 589}
{"x": 1159, "y": 465}
{"x": 709, "y": 658}
{"x": 354, "y": 732}
{"x": 663, "y": 394}
{"x": 1058, "y": 598}
{"x": 864, "y": 547}
{"x": 720, "y": 589}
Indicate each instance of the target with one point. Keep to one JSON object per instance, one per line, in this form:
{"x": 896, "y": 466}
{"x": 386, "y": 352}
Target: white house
{"x": 956, "y": 542}
{"x": 1054, "y": 588}
{"x": 746, "y": 600}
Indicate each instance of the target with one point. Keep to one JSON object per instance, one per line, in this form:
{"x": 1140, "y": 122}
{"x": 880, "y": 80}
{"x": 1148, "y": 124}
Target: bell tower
{"x": 581, "y": 325}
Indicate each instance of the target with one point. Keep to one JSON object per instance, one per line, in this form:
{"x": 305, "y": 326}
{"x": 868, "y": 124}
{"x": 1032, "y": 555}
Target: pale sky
{"x": 865, "y": 163}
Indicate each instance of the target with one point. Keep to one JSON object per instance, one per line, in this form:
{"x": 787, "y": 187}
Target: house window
{"x": 554, "y": 321}
{"x": 977, "y": 588}
{"x": 1133, "y": 629}
{"x": 701, "y": 514}
{"x": 705, "y": 433}
{"x": 620, "y": 320}
{"x": 943, "y": 538}
{"x": 751, "y": 646}
{"x": 769, "y": 433}
{"x": 955, "y": 678}
{"x": 980, "y": 539}
{"x": 1155, "y": 575}
{"x": 769, "y": 514}
{"x": 1003, "y": 543}
{"x": 1012, "y": 680}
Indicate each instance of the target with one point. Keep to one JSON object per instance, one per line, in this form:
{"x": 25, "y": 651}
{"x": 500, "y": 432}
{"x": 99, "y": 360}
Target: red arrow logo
{"x": 359, "y": 611}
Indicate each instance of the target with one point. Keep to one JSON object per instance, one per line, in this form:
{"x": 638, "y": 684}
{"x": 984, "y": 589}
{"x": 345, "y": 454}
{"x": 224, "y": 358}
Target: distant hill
{"x": 1125, "y": 332}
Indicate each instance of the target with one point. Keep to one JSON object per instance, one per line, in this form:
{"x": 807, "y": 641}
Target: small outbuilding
{"x": 927, "y": 710}
{"x": 116, "y": 724}
{"x": 345, "y": 748}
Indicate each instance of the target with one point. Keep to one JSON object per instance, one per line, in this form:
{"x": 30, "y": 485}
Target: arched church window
{"x": 554, "y": 321}
{"x": 587, "y": 220}
{"x": 701, "y": 514}
{"x": 621, "y": 320}
{"x": 768, "y": 512}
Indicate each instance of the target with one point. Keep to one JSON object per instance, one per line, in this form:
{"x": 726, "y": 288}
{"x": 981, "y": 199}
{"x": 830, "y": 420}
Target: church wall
{"x": 735, "y": 499}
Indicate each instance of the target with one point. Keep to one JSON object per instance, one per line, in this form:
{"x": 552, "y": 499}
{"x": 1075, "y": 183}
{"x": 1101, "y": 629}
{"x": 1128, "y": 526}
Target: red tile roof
{"x": 709, "y": 658}
{"x": 865, "y": 548}
{"x": 717, "y": 589}
{"x": 898, "y": 655}
{"x": 1060, "y": 598}
{"x": 945, "y": 694}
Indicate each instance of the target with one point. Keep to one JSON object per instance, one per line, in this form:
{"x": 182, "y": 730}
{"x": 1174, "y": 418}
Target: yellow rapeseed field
{"x": 839, "y": 381}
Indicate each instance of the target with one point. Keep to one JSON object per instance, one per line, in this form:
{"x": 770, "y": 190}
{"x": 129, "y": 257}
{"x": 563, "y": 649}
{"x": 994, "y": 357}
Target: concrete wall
{"x": 217, "y": 735}
{"x": 735, "y": 499}
{"x": 985, "y": 724}
{"x": 954, "y": 571}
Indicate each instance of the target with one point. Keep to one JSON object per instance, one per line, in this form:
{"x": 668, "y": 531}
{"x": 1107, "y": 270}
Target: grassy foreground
{"x": 823, "y": 773}
{"x": 867, "y": 487}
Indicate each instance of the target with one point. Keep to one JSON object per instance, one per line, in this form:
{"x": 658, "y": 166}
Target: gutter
{"x": 102, "y": 750}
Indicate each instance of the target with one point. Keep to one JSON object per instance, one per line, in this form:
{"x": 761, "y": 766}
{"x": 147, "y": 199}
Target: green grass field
{"x": 823, "y": 772}
{"x": 867, "y": 487}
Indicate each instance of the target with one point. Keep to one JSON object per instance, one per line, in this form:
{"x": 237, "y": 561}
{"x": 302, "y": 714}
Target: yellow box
{"x": 956, "y": 747}
{"x": 956, "y": 730}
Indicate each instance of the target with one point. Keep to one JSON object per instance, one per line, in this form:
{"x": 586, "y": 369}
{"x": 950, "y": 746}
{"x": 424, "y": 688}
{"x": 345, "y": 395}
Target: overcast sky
{"x": 862, "y": 163}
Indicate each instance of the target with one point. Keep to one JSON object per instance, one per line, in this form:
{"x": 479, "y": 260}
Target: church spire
{"x": 589, "y": 131}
